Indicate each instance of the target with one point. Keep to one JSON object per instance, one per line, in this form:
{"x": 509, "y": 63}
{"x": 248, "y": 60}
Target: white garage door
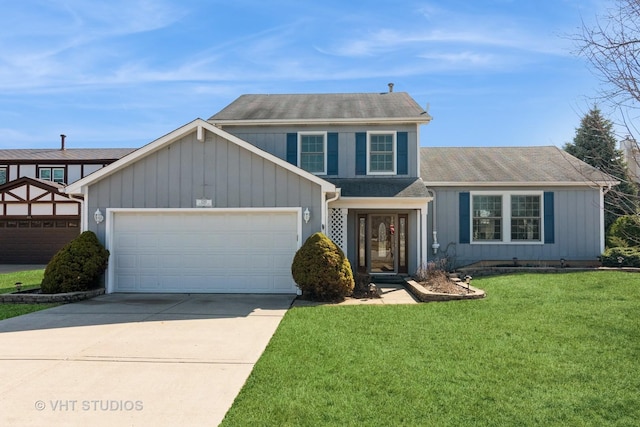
{"x": 203, "y": 250}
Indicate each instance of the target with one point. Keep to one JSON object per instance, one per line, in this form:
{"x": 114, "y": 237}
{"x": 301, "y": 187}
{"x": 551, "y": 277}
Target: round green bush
{"x": 77, "y": 266}
{"x": 321, "y": 270}
{"x": 625, "y": 232}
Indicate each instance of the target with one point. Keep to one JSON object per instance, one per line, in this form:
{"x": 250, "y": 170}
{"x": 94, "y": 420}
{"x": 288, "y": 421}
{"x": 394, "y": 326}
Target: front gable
{"x": 203, "y": 133}
{"x": 201, "y": 166}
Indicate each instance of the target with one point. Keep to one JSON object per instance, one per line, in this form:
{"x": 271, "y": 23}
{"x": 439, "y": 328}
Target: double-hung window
{"x": 52, "y": 174}
{"x": 508, "y": 217}
{"x": 381, "y": 153}
{"x": 487, "y": 218}
{"x": 525, "y": 218}
{"x": 313, "y": 152}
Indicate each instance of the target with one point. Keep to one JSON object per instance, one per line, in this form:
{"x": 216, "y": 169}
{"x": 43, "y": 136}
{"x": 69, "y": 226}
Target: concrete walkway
{"x": 133, "y": 359}
{"x": 391, "y": 294}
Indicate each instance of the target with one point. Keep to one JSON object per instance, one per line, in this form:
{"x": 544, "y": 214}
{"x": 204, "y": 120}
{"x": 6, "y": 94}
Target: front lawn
{"x": 550, "y": 349}
{"x": 30, "y": 279}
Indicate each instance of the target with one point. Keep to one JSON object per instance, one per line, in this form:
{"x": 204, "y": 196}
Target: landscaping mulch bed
{"x": 442, "y": 284}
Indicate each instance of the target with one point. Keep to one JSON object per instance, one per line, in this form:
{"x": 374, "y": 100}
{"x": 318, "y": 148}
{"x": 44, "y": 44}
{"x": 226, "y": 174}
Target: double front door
{"x": 382, "y": 243}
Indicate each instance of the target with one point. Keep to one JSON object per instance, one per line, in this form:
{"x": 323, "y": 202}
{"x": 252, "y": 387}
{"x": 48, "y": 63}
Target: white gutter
{"x": 276, "y": 122}
{"x": 590, "y": 184}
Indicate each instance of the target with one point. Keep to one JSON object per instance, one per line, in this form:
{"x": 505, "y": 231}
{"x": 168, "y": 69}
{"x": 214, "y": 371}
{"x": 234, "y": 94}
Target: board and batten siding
{"x": 178, "y": 174}
{"x": 576, "y": 229}
{"x": 273, "y": 139}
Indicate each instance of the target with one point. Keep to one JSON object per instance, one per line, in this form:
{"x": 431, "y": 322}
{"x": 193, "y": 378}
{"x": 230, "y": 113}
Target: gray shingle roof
{"x": 380, "y": 187}
{"x": 71, "y": 154}
{"x": 339, "y": 106}
{"x": 522, "y": 165}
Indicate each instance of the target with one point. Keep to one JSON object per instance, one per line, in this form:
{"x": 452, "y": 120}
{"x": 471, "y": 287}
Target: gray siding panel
{"x": 176, "y": 175}
{"x": 577, "y": 229}
{"x": 273, "y": 139}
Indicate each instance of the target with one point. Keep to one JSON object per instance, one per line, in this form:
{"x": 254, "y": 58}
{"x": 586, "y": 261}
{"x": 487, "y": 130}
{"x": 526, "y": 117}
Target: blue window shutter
{"x": 332, "y": 153}
{"x": 402, "y": 140}
{"x": 361, "y": 153}
{"x": 465, "y": 217}
{"x": 549, "y": 222}
{"x": 292, "y": 148}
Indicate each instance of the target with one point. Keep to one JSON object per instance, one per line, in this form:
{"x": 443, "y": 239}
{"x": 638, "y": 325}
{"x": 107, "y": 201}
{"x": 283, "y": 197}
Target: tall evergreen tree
{"x": 595, "y": 144}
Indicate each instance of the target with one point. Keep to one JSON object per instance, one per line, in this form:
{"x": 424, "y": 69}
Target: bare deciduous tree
{"x": 612, "y": 47}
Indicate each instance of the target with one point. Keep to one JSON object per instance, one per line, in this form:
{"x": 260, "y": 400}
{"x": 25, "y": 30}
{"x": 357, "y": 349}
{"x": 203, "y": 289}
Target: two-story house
{"x": 222, "y": 205}
{"x": 367, "y": 145}
{"x": 36, "y": 217}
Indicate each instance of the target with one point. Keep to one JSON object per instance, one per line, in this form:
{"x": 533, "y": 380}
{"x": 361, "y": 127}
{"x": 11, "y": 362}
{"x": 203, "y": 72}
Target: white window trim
{"x": 51, "y": 169}
{"x": 506, "y": 217}
{"x": 324, "y": 149}
{"x": 395, "y": 151}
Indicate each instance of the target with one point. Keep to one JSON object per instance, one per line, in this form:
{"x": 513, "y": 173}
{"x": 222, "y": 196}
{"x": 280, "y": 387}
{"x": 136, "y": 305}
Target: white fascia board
{"x": 590, "y": 184}
{"x": 206, "y": 211}
{"x": 381, "y": 202}
{"x": 297, "y": 122}
{"x": 194, "y": 126}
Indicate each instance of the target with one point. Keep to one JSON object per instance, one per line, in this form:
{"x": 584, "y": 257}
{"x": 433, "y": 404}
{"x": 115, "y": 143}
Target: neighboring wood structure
{"x": 36, "y": 220}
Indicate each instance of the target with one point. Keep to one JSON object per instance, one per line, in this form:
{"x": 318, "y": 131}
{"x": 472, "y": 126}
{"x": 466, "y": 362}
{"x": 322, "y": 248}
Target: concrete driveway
{"x": 133, "y": 359}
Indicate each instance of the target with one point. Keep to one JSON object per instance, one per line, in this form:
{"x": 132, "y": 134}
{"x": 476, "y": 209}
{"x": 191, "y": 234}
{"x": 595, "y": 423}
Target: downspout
{"x": 435, "y": 246}
{"x": 326, "y": 208}
{"x": 83, "y": 218}
{"x": 604, "y": 191}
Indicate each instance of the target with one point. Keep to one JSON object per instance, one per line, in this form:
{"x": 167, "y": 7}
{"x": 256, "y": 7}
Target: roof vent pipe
{"x": 390, "y": 87}
{"x": 62, "y": 137}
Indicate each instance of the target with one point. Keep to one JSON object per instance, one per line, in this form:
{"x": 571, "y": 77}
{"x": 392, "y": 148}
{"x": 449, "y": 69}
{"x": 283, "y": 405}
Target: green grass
{"x": 539, "y": 350}
{"x": 30, "y": 279}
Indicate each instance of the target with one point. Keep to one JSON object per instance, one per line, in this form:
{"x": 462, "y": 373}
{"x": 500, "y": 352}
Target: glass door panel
{"x": 382, "y": 244}
{"x": 362, "y": 245}
{"x": 402, "y": 243}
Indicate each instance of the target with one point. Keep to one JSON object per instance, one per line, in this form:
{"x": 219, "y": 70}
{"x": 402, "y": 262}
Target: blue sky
{"x": 121, "y": 73}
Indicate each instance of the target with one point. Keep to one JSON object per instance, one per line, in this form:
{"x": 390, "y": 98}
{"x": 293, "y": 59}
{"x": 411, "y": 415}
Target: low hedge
{"x": 621, "y": 257}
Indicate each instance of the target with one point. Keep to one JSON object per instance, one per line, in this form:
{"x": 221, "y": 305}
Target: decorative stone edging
{"x": 425, "y": 295}
{"x": 63, "y": 298}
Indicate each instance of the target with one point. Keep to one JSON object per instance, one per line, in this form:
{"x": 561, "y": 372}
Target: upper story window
{"x": 381, "y": 153}
{"x": 52, "y": 174}
{"x": 3, "y": 175}
{"x": 313, "y": 152}
{"x": 507, "y": 217}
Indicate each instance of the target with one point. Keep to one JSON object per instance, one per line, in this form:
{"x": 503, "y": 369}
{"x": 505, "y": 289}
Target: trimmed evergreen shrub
{"x": 321, "y": 270}
{"x": 621, "y": 257}
{"x": 77, "y": 266}
{"x": 625, "y": 231}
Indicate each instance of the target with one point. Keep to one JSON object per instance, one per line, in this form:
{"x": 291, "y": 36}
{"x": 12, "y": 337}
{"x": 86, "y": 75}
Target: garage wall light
{"x": 98, "y": 216}
{"x": 306, "y": 215}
